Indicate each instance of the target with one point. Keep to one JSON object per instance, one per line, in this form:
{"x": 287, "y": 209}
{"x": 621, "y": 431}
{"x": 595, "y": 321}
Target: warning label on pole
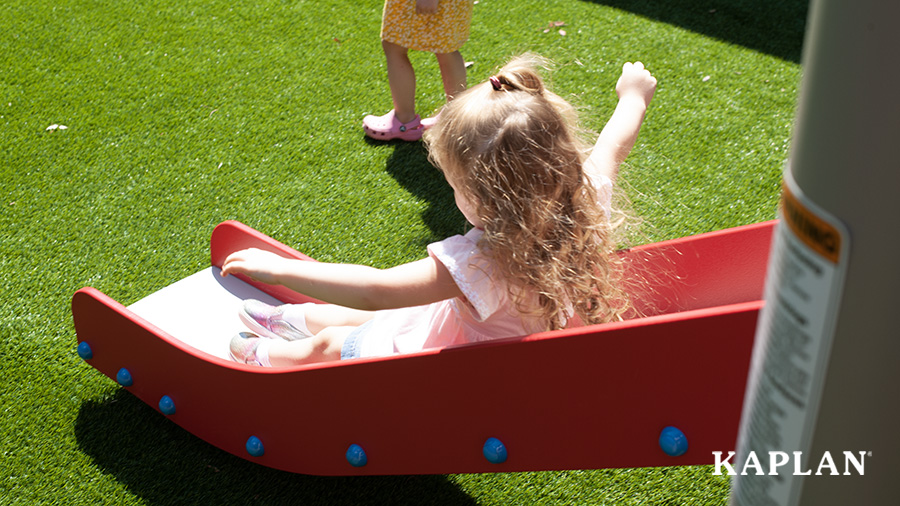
{"x": 815, "y": 233}
{"x": 790, "y": 356}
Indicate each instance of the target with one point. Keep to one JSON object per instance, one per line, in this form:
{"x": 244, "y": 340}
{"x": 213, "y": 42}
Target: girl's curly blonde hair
{"x": 512, "y": 147}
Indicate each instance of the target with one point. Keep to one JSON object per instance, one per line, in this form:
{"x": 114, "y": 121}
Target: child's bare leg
{"x": 453, "y": 73}
{"x": 321, "y": 316}
{"x": 322, "y": 347}
{"x": 402, "y": 79}
{"x": 313, "y": 318}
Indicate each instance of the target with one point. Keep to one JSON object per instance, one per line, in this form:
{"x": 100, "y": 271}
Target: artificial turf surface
{"x": 184, "y": 114}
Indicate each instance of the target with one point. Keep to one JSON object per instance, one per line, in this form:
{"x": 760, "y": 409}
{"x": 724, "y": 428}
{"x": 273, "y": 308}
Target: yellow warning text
{"x": 816, "y": 233}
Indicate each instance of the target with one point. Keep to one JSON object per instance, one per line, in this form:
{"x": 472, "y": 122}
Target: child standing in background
{"x": 437, "y": 26}
{"x": 541, "y": 255}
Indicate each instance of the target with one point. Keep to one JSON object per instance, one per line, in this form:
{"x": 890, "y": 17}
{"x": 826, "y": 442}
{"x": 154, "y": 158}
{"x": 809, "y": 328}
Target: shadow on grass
{"x": 775, "y": 27}
{"x": 408, "y": 164}
{"x": 163, "y": 464}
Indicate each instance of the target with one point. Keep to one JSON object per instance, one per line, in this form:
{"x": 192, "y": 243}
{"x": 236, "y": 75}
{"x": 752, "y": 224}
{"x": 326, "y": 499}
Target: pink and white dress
{"x": 486, "y": 312}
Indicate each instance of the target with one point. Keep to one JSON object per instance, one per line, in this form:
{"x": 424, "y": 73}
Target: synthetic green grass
{"x": 182, "y": 114}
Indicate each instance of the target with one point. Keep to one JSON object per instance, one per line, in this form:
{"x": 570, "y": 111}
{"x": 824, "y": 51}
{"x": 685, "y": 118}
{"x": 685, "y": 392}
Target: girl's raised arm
{"x": 355, "y": 286}
{"x": 635, "y": 89}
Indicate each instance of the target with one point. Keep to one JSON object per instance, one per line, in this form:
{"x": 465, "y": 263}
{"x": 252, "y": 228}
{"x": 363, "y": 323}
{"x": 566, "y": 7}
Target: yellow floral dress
{"x": 444, "y": 31}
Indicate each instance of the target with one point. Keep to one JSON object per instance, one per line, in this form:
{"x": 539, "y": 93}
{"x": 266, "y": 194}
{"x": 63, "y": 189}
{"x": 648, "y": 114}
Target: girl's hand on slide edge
{"x": 256, "y": 264}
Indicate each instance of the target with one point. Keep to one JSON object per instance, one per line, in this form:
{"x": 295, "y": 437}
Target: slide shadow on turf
{"x": 163, "y": 464}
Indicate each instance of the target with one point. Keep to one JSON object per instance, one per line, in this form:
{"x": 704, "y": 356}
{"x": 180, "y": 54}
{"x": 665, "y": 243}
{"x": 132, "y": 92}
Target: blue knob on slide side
{"x": 255, "y": 447}
{"x": 167, "y": 405}
{"x": 85, "y": 351}
{"x": 123, "y": 377}
{"x": 673, "y": 442}
{"x": 494, "y": 451}
{"x": 356, "y": 456}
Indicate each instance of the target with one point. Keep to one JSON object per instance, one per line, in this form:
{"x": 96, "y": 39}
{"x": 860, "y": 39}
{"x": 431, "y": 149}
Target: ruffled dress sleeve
{"x": 473, "y": 273}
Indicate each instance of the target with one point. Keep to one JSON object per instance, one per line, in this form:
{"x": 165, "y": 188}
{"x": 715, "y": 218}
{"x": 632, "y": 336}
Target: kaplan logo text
{"x": 776, "y": 462}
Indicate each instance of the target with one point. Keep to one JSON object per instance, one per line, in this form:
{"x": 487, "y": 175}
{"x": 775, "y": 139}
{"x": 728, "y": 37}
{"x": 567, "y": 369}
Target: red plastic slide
{"x": 659, "y": 390}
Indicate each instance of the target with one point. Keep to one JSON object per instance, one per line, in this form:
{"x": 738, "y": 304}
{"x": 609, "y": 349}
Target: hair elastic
{"x": 495, "y": 82}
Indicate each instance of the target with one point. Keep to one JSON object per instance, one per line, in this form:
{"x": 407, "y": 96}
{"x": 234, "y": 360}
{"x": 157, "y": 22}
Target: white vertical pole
{"x": 825, "y": 377}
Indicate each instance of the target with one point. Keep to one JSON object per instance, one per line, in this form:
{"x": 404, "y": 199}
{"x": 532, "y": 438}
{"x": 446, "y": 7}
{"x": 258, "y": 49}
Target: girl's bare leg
{"x": 322, "y": 347}
{"x": 322, "y": 316}
{"x": 317, "y": 317}
{"x": 453, "y": 73}
{"x": 402, "y": 79}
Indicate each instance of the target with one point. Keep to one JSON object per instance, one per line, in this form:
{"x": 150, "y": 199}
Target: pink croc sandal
{"x": 387, "y": 127}
{"x": 429, "y": 122}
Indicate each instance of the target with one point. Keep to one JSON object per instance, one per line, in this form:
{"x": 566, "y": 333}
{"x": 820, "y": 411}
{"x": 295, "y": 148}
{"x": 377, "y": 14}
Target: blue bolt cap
{"x": 356, "y": 456}
{"x": 673, "y": 442}
{"x": 167, "y": 405}
{"x": 123, "y": 377}
{"x": 85, "y": 351}
{"x": 494, "y": 451}
{"x": 255, "y": 447}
